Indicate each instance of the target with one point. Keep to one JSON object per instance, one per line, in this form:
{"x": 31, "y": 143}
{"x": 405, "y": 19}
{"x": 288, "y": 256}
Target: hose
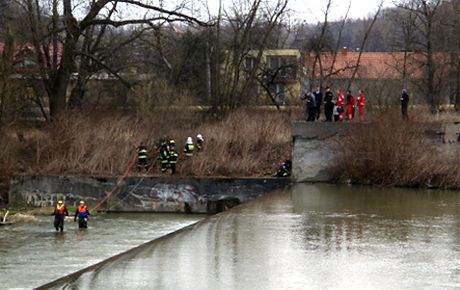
{"x": 117, "y": 185}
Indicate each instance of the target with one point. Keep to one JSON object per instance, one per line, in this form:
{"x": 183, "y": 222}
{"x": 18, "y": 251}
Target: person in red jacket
{"x": 340, "y": 100}
{"x": 360, "y": 100}
{"x": 60, "y": 212}
{"x": 350, "y": 105}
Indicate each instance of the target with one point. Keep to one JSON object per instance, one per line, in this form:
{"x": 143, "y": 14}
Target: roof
{"x": 26, "y": 50}
{"x": 373, "y": 65}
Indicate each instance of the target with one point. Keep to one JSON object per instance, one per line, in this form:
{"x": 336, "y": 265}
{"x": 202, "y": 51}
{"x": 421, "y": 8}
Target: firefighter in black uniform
{"x": 172, "y": 156}
{"x": 285, "y": 169}
{"x": 163, "y": 157}
{"x": 199, "y": 142}
{"x": 142, "y": 161}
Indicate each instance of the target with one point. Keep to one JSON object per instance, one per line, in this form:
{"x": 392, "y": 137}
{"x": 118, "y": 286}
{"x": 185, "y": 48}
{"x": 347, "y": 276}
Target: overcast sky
{"x": 313, "y": 10}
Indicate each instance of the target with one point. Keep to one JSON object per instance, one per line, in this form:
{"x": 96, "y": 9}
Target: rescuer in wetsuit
{"x": 82, "y": 214}
{"x": 60, "y": 212}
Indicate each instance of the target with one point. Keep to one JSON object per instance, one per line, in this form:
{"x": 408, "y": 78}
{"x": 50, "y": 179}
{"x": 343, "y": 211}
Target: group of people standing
{"x": 334, "y": 107}
{"x": 166, "y": 154}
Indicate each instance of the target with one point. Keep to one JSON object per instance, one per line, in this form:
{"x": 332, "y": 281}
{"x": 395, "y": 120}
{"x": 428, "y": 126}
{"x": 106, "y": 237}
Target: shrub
{"x": 391, "y": 152}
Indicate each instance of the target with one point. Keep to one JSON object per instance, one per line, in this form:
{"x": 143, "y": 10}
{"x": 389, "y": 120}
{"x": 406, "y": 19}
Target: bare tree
{"x": 12, "y": 94}
{"x": 318, "y": 46}
{"x": 452, "y": 24}
{"x": 57, "y": 63}
{"x": 426, "y": 13}
{"x": 236, "y": 82}
{"x": 363, "y": 44}
{"x": 337, "y": 46}
{"x": 404, "y": 39}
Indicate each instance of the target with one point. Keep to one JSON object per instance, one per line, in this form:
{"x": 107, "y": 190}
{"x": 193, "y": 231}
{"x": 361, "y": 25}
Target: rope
{"x": 129, "y": 193}
{"x": 117, "y": 185}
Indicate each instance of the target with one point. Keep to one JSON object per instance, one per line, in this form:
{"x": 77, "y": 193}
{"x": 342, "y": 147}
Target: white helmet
{"x": 199, "y": 137}
{"x": 189, "y": 140}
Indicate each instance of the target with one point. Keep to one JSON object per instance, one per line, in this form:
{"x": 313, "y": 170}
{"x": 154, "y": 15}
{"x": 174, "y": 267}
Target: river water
{"x": 34, "y": 254}
{"x": 304, "y": 237}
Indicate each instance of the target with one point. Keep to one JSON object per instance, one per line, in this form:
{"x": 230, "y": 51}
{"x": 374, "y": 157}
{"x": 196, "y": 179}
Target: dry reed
{"x": 395, "y": 153}
{"x": 244, "y": 143}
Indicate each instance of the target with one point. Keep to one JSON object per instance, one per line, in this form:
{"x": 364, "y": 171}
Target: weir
{"x": 142, "y": 193}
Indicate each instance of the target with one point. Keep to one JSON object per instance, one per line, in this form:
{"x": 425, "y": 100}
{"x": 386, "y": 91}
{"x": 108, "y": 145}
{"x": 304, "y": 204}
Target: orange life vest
{"x": 82, "y": 211}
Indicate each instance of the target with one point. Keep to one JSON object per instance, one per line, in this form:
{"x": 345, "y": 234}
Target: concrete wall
{"x": 155, "y": 194}
{"x": 315, "y": 145}
{"x": 312, "y": 153}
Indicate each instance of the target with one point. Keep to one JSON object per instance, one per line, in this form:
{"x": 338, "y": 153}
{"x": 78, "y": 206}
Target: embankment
{"x": 327, "y": 151}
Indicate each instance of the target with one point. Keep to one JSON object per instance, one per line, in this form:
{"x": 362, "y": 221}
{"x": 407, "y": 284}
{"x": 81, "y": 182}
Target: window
{"x": 285, "y": 66}
{"x": 249, "y": 63}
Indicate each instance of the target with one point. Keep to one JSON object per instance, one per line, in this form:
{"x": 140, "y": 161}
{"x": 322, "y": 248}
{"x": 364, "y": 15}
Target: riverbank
{"x": 394, "y": 153}
{"x": 103, "y": 144}
{"x": 389, "y": 152}
{"x": 243, "y": 143}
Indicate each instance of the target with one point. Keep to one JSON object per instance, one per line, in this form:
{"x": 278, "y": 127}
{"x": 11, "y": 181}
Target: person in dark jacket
{"x": 60, "y": 213}
{"x": 318, "y": 100}
{"x": 310, "y": 105}
{"x": 82, "y": 214}
{"x": 328, "y": 104}
{"x": 404, "y": 104}
{"x": 285, "y": 169}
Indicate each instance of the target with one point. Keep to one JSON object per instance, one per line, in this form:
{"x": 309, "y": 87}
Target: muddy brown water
{"x": 305, "y": 237}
